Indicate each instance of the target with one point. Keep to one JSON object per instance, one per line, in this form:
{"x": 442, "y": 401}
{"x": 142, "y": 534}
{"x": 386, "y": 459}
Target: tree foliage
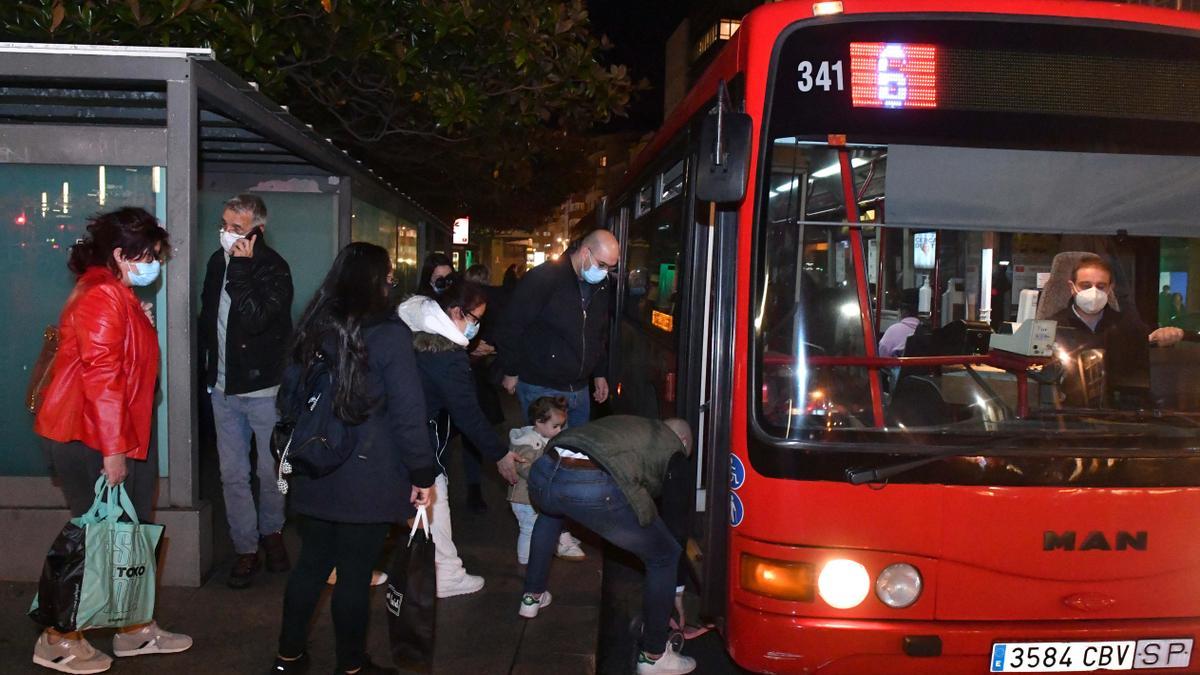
{"x": 468, "y": 104}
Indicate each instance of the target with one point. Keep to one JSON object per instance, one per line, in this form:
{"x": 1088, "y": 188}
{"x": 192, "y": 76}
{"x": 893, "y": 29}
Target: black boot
{"x": 475, "y": 499}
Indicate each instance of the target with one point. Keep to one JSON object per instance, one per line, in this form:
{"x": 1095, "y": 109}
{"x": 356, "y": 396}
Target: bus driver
{"x": 1088, "y": 323}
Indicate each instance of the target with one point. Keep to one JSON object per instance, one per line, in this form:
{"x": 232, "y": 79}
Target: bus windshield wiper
{"x": 879, "y": 474}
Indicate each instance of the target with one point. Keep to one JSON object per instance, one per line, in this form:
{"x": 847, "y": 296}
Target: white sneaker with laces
{"x": 69, "y": 656}
{"x": 670, "y": 663}
{"x": 151, "y": 639}
{"x": 569, "y": 549}
{"x": 463, "y": 585}
{"x": 531, "y": 604}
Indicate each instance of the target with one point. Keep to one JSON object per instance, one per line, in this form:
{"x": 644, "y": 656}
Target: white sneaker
{"x": 569, "y": 549}
{"x": 69, "y": 656}
{"x": 151, "y": 639}
{"x": 670, "y": 663}
{"x": 531, "y": 604}
{"x": 463, "y": 585}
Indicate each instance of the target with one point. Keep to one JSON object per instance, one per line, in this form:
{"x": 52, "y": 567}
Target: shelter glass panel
{"x": 44, "y": 209}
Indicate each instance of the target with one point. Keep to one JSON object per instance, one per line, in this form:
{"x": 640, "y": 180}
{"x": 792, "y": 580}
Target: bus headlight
{"x": 843, "y": 583}
{"x": 899, "y": 585}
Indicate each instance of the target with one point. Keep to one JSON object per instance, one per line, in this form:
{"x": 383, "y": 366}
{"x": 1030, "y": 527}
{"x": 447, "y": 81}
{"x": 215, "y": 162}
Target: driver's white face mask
{"x": 1091, "y": 300}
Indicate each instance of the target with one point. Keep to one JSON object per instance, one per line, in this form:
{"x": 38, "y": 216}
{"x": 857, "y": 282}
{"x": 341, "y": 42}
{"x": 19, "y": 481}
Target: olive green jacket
{"x": 633, "y": 450}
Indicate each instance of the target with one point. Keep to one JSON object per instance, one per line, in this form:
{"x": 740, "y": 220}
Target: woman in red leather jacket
{"x": 96, "y": 409}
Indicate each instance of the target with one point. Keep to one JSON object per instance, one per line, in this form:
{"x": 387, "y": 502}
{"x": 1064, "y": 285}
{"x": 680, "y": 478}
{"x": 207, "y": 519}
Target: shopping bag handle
{"x": 110, "y": 503}
{"x": 421, "y": 521}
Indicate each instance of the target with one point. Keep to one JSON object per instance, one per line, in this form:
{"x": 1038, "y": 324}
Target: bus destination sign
{"x": 893, "y": 75}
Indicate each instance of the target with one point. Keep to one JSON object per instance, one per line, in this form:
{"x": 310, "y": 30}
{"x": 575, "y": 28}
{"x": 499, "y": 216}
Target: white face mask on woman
{"x": 1091, "y": 300}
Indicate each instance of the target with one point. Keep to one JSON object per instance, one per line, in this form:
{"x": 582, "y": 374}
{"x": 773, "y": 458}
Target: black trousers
{"x": 76, "y": 467}
{"x": 353, "y": 549}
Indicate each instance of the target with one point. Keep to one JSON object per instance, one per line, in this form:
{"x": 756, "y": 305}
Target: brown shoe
{"x": 277, "y": 555}
{"x": 244, "y": 569}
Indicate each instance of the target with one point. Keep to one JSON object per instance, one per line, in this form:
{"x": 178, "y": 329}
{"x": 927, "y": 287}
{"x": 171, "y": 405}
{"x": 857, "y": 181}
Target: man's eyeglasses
{"x": 222, "y": 226}
{"x": 471, "y": 315}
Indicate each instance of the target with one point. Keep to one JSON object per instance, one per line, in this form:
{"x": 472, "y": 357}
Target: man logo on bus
{"x": 1095, "y": 541}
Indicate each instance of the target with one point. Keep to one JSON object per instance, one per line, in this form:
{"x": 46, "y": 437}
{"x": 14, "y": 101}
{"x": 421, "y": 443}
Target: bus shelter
{"x": 88, "y": 129}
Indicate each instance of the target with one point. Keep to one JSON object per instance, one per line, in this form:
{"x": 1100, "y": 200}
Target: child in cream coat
{"x": 549, "y": 416}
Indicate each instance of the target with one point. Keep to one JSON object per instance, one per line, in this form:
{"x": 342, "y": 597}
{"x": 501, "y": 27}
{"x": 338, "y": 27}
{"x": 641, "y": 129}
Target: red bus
{"x": 994, "y": 495}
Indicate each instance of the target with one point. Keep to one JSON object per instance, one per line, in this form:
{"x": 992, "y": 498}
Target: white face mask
{"x": 1091, "y": 300}
{"x": 228, "y": 239}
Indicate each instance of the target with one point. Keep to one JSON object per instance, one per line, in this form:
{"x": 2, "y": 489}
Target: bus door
{"x": 650, "y": 307}
{"x": 708, "y": 397}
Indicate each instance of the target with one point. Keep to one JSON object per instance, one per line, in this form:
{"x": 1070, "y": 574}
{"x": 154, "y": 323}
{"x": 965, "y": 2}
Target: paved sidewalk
{"x": 480, "y": 634}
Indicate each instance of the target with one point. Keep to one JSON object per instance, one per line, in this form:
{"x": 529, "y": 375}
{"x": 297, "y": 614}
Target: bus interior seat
{"x": 1056, "y": 294}
{"x": 917, "y": 402}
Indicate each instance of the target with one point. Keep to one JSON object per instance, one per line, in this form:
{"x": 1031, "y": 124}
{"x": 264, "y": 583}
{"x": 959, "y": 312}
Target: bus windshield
{"x": 1112, "y": 369}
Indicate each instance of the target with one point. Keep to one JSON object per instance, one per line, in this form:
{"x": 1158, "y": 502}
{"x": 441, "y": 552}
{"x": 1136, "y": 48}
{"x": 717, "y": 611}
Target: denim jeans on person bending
{"x": 579, "y": 401}
{"x": 592, "y": 498}
{"x": 351, "y": 547}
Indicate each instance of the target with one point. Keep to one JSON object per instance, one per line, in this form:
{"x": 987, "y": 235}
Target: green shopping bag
{"x": 100, "y": 571}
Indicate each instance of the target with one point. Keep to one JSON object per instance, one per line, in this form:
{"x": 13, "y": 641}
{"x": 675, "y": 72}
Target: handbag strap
{"x": 421, "y": 521}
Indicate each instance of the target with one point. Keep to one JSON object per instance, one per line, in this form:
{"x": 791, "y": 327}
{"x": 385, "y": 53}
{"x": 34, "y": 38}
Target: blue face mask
{"x": 144, "y": 273}
{"x": 471, "y": 331}
{"x": 592, "y": 273}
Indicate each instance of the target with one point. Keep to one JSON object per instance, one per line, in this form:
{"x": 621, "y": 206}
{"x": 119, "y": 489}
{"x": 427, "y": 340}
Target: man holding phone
{"x": 245, "y": 327}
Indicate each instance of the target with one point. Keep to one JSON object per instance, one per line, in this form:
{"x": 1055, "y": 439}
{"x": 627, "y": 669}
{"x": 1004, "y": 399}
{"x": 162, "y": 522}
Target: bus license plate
{"x": 1072, "y": 657}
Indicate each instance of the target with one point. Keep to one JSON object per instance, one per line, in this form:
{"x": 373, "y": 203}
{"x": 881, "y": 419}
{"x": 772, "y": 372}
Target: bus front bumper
{"x": 776, "y": 643}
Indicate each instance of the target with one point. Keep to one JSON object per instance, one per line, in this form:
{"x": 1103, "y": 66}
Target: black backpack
{"x": 309, "y": 439}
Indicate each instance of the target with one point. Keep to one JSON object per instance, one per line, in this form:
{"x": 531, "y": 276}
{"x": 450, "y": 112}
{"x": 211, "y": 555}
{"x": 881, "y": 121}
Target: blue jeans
{"x": 592, "y": 498}
{"x": 579, "y": 402}
{"x": 236, "y": 418}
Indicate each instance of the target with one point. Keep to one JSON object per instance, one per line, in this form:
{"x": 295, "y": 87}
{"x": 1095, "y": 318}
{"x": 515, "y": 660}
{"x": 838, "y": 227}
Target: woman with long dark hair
{"x": 442, "y": 330}
{"x": 434, "y": 270}
{"x": 95, "y": 412}
{"x": 345, "y": 515}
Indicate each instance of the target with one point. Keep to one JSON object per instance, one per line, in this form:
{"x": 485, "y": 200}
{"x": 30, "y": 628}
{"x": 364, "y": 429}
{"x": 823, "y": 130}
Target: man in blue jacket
{"x": 553, "y": 338}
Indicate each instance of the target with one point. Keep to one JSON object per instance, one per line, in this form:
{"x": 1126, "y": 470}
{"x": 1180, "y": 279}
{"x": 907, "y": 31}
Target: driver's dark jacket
{"x": 1121, "y": 335}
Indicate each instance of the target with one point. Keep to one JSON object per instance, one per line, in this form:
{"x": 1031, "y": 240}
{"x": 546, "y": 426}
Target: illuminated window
{"x": 720, "y": 31}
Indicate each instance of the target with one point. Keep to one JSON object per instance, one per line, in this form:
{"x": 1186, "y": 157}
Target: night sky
{"x": 638, "y": 30}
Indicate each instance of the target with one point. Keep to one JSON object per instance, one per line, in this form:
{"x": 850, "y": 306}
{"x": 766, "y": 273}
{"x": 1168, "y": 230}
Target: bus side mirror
{"x": 721, "y": 172}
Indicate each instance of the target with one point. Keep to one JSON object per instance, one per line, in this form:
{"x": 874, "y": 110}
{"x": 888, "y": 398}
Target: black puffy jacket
{"x": 548, "y": 336}
{"x": 260, "y": 318}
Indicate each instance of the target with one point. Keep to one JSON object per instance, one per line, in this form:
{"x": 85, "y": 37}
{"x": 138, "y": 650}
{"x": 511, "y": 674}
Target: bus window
{"x": 941, "y": 294}
{"x": 645, "y": 201}
{"x": 672, "y": 182}
{"x": 649, "y": 332}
